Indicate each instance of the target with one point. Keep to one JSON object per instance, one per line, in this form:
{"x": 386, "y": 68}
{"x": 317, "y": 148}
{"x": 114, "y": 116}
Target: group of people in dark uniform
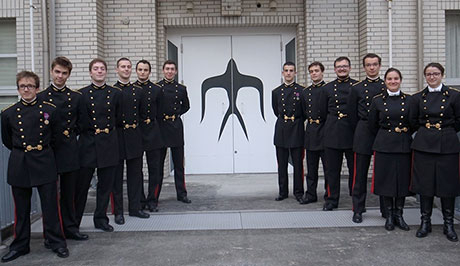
{"x": 59, "y": 132}
{"x": 59, "y": 137}
{"x": 412, "y": 138}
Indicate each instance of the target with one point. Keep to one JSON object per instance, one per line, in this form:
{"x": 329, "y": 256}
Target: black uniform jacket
{"x": 173, "y": 102}
{"x": 359, "y": 102}
{"x": 73, "y": 116}
{"x": 338, "y": 130}
{"x": 150, "y": 128}
{"x": 315, "y": 125}
{"x": 288, "y": 103}
{"x": 28, "y": 130}
{"x": 98, "y": 142}
{"x": 436, "y": 116}
{"x": 130, "y": 133}
{"x": 389, "y": 121}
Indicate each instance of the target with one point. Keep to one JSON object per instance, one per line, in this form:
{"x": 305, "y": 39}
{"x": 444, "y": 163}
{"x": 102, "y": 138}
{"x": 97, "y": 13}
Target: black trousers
{"x": 179, "y": 175}
{"x": 334, "y": 158}
{"x": 134, "y": 181}
{"x": 312, "y": 172}
{"x": 155, "y": 177}
{"x": 282, "y": 156}
{"x": 51, "y": 217}
{"x": 359, "y": 188}
{"x": 68, "y": 186}
{"x": 105, "y": 179}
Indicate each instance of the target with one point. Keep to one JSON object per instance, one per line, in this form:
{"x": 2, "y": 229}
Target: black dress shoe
{"x": 77, "y": 236}
{"x": 14, "y": 254}
{"x": 280, "y": 198}
{"x": 184, "y": 200}
{"x": 47, "y": 244}
{"x": 153, "y": 207}
{"x": 62, "y": 252}
{"x": 119, "y": 219}
{"x": 308, "y": 201}
{"x": 328, "y": 207}
{"x": 140, "y": 214}
{"x": 357, "y": 218}
{"x": 104, "y": 227}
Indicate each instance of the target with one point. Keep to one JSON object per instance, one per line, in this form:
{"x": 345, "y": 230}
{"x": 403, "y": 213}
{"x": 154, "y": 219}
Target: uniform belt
{"x": 400, "y": 129}
{"x": 341, "y": 115}
{"x": 170, "y": 117}
{"x": 287, "y": 118}
{"x": 102, "y": 130}
{"x": 313, "y": 121}
{"x": 29, "y": 148}
{"x": 67, "y": 132}
{"x": 126, "y": 126}
{"x": 147, "y": 121}
{"x": 437, "y": 125}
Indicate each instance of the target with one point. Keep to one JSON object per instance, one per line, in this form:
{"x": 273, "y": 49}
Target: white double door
{"x": 229, "y": 78}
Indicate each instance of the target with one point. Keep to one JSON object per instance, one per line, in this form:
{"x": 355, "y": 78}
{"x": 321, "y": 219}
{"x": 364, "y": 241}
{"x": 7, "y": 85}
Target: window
{"x": 8, "y": 61}
{"x": 453, "y": 47}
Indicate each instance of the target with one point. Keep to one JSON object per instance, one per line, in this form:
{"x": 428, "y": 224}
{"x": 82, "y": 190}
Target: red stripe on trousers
{"x": 15, "y": 214}
{"x": 59, "y": 211}
{"x": 373, "y": 175}
{"x": 112, "y": 203}
{"x": 354, "y": 173}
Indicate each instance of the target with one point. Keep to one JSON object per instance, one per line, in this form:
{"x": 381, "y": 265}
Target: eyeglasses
{"x": 435, "y": 74}
{"x": 27, "y": 86}
{"x": 342, "y": 66}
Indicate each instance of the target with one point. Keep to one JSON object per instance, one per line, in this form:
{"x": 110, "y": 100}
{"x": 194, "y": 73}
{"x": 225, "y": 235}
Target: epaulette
{"x": 357, "y": 83}
{"x": 48, "y": 103}
{"x": 115, "y": 87}
{"x": 137, "y": 86}
{"x": 378, "y": 95}
{"x": 77, "y": 91}
{"x": 154, "y": 83}
{"x": 4, "y": 109}
{"x": 454, "y": 89}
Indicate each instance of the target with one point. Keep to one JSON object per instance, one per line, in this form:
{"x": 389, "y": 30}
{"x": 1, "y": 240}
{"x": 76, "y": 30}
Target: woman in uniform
{"x": 436, "y": 115}
{"x": 389, "y": 120}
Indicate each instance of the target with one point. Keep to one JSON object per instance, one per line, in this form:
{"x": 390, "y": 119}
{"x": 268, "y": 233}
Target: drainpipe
{"x": 32, "y": 46}
{"x": 45, "y": 56}
{"x": 390, "y": 35}
{"x": 419, "y": 44}
{"x": 52, "y": 29}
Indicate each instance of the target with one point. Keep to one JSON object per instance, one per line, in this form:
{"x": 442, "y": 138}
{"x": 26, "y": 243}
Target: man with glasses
{"x": 338, "y": 131}
{"x": 28, "y": 129}
{"x": 288, "y": 106}
{"x": 359, "y": 102}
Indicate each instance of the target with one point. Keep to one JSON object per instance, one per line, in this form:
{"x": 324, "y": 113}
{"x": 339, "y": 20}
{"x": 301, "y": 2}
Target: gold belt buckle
{"x": 147, "y": 121}
{"x": 66, "y": 133}
{"x": 172, "y": 117}
{"x": 316, "y": 121}
{"x": 405, "y": 129}
{"x": 286, "y": 118}
{"x": 30, "y": 147}
{"x": 132, "y": 126}
{"x": 398, "y": 130}
{"x": 106, "y": 130}
{"x": 437, "y": 125}
{"x": 342, "y": 115}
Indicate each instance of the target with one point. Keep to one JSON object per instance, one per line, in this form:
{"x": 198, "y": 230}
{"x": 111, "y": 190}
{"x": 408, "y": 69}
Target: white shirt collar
{"x": 396, "y": 93}
{"x": 59, "y": 88}
{"x": 438, "y": 89}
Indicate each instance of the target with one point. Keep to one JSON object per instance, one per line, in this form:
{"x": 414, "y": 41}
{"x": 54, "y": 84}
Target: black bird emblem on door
{"x": 232, "y": 78}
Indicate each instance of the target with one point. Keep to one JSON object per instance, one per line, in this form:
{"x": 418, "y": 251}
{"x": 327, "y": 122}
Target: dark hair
{"x": 341, "y": 58}
{"x": 27, "y": 74}
{"x": 97, "y": 60}
{"x": 316, "y": 63}
{"x": 372, "y": 55}
{"x": 169, "y": 62}
{"x": 123, "y": 59}
{"x": 289, "y": 63}
{"x": 62, "y": 61}
{"x": 144, "y": 62}
{"x": 392, "y": 69}
{"x": 436, "y": 65}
